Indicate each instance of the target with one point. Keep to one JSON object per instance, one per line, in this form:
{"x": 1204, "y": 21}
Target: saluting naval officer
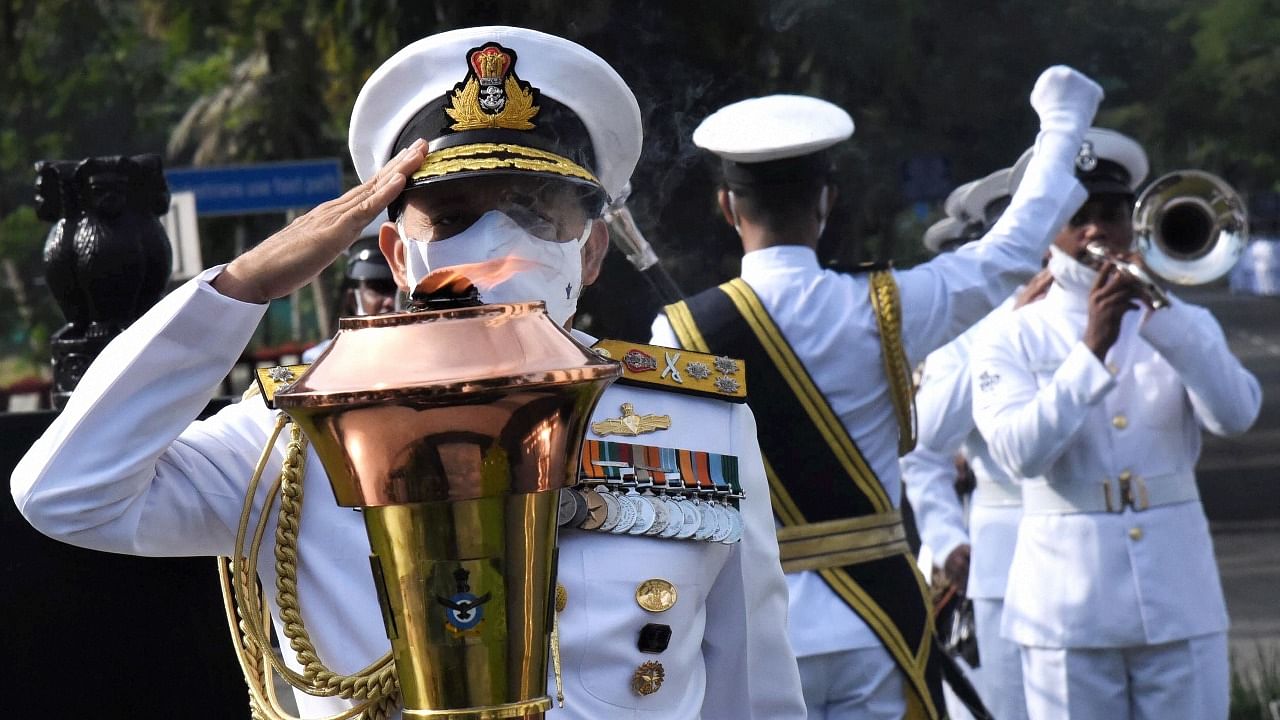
{"x": 975, "y": 550}
{"x": 671, "y": 603}
{"x": 829, "y": 357}
{"x": 1098, "y": 400}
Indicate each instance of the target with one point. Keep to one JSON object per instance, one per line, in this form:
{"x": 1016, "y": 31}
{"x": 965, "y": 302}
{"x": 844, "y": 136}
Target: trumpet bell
{"x": 1190, "y": 227}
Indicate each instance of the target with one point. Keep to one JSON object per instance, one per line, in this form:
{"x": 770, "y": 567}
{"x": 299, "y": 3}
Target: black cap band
{"x": 813, "y": 168}
{"x": 557, "y": 130}
{"x": 1107, "y": 177}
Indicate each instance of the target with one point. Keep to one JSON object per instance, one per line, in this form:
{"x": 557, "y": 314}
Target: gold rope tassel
{"x": 376, "y": 686}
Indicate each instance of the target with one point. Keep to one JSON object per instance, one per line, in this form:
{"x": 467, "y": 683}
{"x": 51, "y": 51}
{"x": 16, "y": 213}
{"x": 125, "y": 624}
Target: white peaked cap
{"x": 776, "y": 127}
{"x": 565, "y": 112}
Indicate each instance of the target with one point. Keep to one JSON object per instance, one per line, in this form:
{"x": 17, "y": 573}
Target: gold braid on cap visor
{"x": 498, "y": 156}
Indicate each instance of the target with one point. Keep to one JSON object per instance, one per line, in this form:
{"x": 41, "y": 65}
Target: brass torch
{"x": 453, "y": 431}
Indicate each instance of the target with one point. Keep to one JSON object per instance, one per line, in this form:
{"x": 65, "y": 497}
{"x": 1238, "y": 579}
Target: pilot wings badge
{"x": 630, "y": 423}
{"x": 463, "y": 611}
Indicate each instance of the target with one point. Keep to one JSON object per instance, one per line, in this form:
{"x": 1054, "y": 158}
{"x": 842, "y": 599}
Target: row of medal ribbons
{"x": 630, "y": 489}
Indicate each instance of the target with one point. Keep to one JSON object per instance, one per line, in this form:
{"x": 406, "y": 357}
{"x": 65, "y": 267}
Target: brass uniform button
{"x": 656, "y": 595}
{"x": 648, "y": 678}
{"x": 562, "y": 597}
{"x": 1113, "y": 369}
{"x": 1135, "y": 533}
{"x": 1120, "y": 422}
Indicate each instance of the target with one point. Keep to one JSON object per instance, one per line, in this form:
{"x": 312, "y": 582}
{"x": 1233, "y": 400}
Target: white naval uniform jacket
{"x": 944, "y": 412}
{"x": 827, "y": 318}
{"x": 123, "y": 469}
{"x": 1052, "y": 413}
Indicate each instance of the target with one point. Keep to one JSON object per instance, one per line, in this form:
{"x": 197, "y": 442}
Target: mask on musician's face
{"x": 541, "y": 269}
{"x": 1071, "y": 274}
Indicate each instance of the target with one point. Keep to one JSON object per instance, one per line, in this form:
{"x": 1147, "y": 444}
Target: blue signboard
{"x": 270, "y": 187}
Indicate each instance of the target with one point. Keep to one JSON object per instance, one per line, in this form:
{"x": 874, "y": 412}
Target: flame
{"x": 457, "y": 279}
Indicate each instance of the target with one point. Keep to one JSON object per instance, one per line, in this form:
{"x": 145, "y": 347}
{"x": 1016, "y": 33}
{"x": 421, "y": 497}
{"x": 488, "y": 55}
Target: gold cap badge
{"x": 492, "y": 96}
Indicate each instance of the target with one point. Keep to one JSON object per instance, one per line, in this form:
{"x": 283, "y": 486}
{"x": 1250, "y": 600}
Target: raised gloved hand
{"x": 1066, "y": 100}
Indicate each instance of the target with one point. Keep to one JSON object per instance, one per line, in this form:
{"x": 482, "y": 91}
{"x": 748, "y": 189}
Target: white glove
{"x": 1066, "y": 100}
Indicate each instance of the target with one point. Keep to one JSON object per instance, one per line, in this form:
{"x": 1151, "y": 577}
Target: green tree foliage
{"x": 245, "y": 81}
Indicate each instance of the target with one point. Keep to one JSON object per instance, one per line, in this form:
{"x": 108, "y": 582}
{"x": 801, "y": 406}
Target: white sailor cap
{"x": 501, "y": 100}
{"x": 1109, "y": 162}
{"x": 954, "y": 204}
{"x": 946, "y": 231}
{"x": 777, "y": 138}
{"x": 988, "y": 198}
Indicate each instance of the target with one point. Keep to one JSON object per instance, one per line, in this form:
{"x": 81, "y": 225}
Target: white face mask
{"x": 1074, "y": 276}
{"x": 504, "y": 262}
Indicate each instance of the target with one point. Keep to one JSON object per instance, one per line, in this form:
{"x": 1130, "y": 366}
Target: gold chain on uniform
{"x": 888, "y": 311}
{"x": 376, "y": 685}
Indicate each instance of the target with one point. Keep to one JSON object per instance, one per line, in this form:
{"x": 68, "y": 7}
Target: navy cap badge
{"x": 492, "y": 96}
{"x": 1087, "y": 158}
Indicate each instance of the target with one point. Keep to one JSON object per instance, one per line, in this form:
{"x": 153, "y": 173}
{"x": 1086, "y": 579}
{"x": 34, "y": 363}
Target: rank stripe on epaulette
{"x": 678, "y": 369}
{"x": 694, "y": 468}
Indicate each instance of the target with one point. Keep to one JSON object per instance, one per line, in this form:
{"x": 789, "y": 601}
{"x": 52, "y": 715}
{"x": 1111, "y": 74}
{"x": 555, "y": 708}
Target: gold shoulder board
{"x": 685, "y": 371}
{"x": 271, "y": 379}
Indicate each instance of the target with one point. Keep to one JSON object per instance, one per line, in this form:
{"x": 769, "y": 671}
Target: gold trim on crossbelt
{"x": 815, "y": 405}
{"x": 837, "y": 543}
{"x": 847, "y": 557}
{"x": 842, "y": 525}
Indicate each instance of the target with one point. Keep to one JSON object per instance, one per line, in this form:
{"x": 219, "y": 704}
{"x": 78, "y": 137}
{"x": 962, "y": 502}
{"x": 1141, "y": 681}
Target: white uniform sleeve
{"x": 945, "y": 419}
{"x": 944, "y": 296}
{"x": 123, "y": 468}
{"x": 662, "y": 334}
{"x": 1028, "y": 427}
{"x": 929, "y": 478}
{"x": 1225, "y": 396}
{"x": 751, "y": 668}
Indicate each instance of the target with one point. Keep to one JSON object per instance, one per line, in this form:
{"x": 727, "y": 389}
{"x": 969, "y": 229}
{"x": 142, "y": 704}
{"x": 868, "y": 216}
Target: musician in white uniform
{"x": 684, "y": 624}
{"x": 834, "y": 352}
{"x": 1099, "y": 401}
{"x": 975, "y": 551}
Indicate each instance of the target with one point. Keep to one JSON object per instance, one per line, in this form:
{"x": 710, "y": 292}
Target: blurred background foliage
{"x": 937, "y": 90}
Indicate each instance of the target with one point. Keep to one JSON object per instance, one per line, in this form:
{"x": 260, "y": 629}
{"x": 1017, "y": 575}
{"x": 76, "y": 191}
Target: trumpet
{"x": 1190, "y": 228}
{"x": 1100, "y": 256}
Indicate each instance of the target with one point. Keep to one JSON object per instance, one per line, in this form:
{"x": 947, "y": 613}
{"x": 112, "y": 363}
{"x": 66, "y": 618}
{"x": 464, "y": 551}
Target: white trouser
{"x": 1183, "y": 679}
{"x": 999, "y": 676}
{"x": 864, "y": 684}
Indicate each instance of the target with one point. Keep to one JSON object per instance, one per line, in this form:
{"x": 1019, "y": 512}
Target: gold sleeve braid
{"x": 376, "y": 686}
{"x": 887, "y": 305}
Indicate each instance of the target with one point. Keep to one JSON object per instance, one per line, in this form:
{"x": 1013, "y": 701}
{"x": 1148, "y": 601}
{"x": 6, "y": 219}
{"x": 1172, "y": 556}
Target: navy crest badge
{"x": 492, "y": 96}
{"x": 1087, "y": 158}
